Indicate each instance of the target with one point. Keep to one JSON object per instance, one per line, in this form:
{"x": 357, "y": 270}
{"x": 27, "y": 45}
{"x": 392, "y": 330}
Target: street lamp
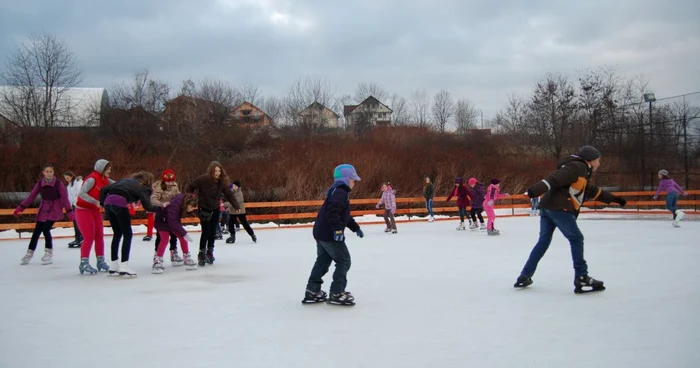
{"x": 649, "y": 97}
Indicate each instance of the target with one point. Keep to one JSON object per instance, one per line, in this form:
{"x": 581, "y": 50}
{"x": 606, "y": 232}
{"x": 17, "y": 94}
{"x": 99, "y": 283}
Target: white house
{"x": 371, "y": 108}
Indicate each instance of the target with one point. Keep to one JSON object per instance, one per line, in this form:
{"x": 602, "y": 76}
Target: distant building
{"x": 318, "y": 115}
{"x": 370, "y": 109}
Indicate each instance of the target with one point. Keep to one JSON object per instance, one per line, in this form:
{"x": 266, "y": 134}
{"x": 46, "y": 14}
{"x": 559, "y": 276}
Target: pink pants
{"x": 91, "y": 226}
{"x": 164, "y": 243}
{"x": 491, "y": 214}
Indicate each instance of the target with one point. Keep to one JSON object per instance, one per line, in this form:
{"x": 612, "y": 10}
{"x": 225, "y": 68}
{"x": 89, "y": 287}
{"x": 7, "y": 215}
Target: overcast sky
{"x": 476, "y": 51}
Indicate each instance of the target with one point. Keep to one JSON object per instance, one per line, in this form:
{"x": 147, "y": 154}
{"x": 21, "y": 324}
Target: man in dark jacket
{"x": 329, "y": 232}
{"x": 565, "y": 191}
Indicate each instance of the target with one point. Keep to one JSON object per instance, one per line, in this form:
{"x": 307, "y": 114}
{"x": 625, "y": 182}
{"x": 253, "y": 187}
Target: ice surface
{"x": 429, "y": 296}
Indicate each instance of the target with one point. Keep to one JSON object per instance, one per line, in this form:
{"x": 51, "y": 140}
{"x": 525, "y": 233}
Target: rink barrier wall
{"x": 641, "y": 201}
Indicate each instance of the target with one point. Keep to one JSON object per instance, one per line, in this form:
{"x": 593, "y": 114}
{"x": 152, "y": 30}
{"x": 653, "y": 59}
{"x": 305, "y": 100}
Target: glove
{"x": 71, "y": 216}
{"x": 188, "y": 238}
{"x": 338, "y": 236}
{"x": 619, "y": 200}
{"x": 360, "y": 233}
{"x": 17, "y": 212}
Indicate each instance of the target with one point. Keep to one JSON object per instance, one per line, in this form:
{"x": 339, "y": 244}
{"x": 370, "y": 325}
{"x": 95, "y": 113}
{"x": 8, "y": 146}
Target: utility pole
{"x": 685, "y": 150}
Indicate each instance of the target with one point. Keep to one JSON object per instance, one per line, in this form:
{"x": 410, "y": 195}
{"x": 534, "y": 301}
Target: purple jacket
{"x": 54, "y": 198}
{"x": 388, "y": 200}
{"x": 478, "y": 194}
{"x": 669, "y": 186}
{"x": 169, "y": 218}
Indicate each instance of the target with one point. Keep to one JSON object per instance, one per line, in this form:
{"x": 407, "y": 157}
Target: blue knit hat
{"x": 343, "y": 173}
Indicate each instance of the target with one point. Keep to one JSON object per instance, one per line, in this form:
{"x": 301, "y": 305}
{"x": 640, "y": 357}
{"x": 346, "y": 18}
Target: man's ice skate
{"x": 461, "y": 226}
{"x": 587, "y": 284}
{"x": 312, "y": 297}
{"x": 85, "y": 267}
{"x": 189, "y": 263}
{"x": 125, "y": 270}
{"x": 113, "y": 268}
{"x": 201, "y": 259}
{"x": 210, "y": 256}
{"x": 27, "y": 257}
{"x": 473, "y": 226}
{"x": 158, "y": 267}
{"x": 493, "y": 232}
{"x": 101, "y": 264}
{"x": 523, "y": 281}
{"x": 344, "y": 298}
{"x": 175, "y": 258}
{"x": 47, "y": 259}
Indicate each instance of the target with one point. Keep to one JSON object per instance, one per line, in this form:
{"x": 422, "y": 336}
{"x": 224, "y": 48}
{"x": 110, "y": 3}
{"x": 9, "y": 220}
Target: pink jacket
{"x": 54, "y": 198}
{"x": 388, "y": 199}
{"x": 493, "y": 193}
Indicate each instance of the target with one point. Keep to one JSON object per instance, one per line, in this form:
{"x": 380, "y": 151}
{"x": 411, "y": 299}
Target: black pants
{"x": 120, "y": 220}
{"x": 208, "y": 231}
{"x": 78, "y": 234}
{"x": 242, "y": 219}
{"x": 474, "y": 212}
{"x": 327, "y": 252}
{"x": 173, "y": 240}
{"x": 42, "y": 228}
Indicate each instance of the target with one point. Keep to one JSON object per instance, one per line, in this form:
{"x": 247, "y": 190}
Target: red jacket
{"x": 463, "y": 196}
{"x": 100, "y": 182}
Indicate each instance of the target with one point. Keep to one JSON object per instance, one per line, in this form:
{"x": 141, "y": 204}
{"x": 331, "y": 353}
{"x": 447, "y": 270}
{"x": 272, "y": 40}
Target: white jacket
{"x": 73, "y": 190}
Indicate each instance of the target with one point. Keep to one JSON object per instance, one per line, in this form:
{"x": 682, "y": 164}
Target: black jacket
{"x": 428, "y": 191}
{"x": 334, "y": 215}
{"x": 132, "y": 190}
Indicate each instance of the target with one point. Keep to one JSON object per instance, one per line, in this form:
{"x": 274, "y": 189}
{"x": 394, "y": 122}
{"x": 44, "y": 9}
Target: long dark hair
{"x": 72, "y": 176}
{"x": 210, "y": 171}
{"x": 190, "y": 200}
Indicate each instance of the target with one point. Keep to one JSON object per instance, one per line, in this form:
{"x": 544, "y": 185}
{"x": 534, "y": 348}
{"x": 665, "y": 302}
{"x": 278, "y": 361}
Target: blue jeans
{"x": 327, "y": 252}
{"x": 429, "y": 205}
{"x": 672, "y": 203}
{"x": 566, "y": 222}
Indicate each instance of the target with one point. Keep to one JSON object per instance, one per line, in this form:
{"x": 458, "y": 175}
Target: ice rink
{"x": 429, "y": 296}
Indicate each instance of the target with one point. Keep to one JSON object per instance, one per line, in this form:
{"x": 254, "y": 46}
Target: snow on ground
{"x": 427, "y": 297}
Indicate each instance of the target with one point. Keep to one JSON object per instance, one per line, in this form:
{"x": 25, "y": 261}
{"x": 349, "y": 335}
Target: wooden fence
{"x": 281, "y": 212}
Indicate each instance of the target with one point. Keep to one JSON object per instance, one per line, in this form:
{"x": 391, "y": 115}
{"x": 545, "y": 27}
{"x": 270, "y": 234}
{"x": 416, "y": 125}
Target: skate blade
{"x": 177, "y": 264}
{"x": 584, "y": 291}
{"x": 305, "y": 301}
{"x": 128, "y": 275}
{"x": 346, "y": 304}
{"x": 156, "y": 272}
{"x": 191, "y": 268}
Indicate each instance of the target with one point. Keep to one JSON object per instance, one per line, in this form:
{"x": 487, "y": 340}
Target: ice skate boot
{"x": 312, "y": 297}
{"x": 254, "y": 238}
{"x": 461, "y": 226}
{"x": 113, "y": 268}
{"x": 125, "y": 270}
{"x": 431, "y": 219}
{"x": 47, "y": 259}
{"x": 587, "y": 284}
{"x": 387, "y": 230}
{"x": 189, "y": 263}
{"x": 158, "y": 267}
{"x": 473, "y": 227}
{"x": 175, "y": 258}
{"x": 344, "y": 298}
{"x": 482, "y": 227}
{"x": 493, "y": 232}
{"x": 85, "y": 267}
{"x": 201, "y": 259}
{"x": 27, "y": 257}
{"x": 523, "y": 281}
{"x": 147, "y": 238}
{"x": 394, "y": 231}
{"x": 231, "y": 240}
{"x": 101, "y": 264}
{"x": 210, "y": 256}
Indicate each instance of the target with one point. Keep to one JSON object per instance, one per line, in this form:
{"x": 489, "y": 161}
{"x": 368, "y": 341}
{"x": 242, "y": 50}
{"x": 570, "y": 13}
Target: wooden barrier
{"x": 512, "y": 202}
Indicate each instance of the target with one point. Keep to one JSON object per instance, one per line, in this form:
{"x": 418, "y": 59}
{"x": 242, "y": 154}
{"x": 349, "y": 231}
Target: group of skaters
{"x": 84, "y": 200}
{"x": 560, "y": 197}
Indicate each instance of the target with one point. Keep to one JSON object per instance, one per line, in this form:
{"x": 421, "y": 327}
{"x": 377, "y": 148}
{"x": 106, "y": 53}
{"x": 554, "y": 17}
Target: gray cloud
{"x": 474, "y": 49}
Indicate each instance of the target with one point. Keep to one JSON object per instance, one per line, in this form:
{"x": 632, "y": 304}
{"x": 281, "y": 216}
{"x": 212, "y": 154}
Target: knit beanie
{"x": 589, "y": 153}
{"x": 168, "y": 175}
{"x": 459, "y": 180}
{"x": 472, "y": 181}
{"x": 663, "y": 173}
{"x": 495, "y": 181}
{"x": 343, "y": 173}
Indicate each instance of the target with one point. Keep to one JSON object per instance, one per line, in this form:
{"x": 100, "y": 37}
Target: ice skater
{"x": 168, "y": 222}
{"x": 493, "y": 193}
{"x": 672, "y": 189}
{"x": 429, "y": 194}
{"x": 478, "y": 194}
{"x": 564, "y": 191}
{"x": 463, "y": 196}
{"x": 388, "y": 200}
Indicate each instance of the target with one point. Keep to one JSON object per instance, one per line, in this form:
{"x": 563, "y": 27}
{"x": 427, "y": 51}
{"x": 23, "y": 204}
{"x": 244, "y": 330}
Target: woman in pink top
{"x": 672, "y": 189}
{"x": 493, "y": 193}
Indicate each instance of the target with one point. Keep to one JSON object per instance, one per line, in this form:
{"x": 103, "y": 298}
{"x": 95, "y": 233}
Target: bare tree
{"x": 366, "y": 89}
{"x": 399, "y": 107}
{"x": 248, "y": 92}
{"x": 419, "y": 106}
{"x": 188, "y": 88}
{"x": 303, "y": 92}
{"x": 443, "y": 109}
{"x": 219, "y": 98}
{"x": 274, "y": 107}
{"x": 553, "y": 108}
{"x": 465, "y": 116}
{"x": 144, "y": 92}
{"x": 38, "y": 75}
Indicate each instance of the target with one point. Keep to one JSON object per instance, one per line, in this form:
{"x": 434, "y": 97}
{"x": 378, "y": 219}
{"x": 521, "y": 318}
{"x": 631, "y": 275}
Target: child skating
{"x": 168, "y": 221}
{"x": 329, "y": 233}
{"x": 463, "y": 196}
{"x": 478, "y": 194}
{"x": 388, "y": 200}
{"x": 672, "y": 189}
{"x": 493, "y": 193}
{"x": 163, "y": 191}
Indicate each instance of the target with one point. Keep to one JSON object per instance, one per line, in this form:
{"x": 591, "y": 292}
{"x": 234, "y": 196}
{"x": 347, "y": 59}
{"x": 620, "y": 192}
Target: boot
{"x": 344, "y": 298}
{"x": 125, "y": 270}
{"x": 311, "y": 297}
{"x": 201, "y": 259}
{"x": 101, "y": 264}
{"x": 175, "y": 258}
{"x": 85, "y": 266}
{"x": 231, "y": 240}
{"x": 255, "y": 238}
{"x": 47, "y": 259}
{"x": 113, "y": 268}
{"x": 157, "y": 265}
{"x": 493, "y": 232}
{"x": 587, "y": 284}
{"x": 147, "y": 238}
{"x": 461, "y": 226}
{"x": 189, "y": 263}
{"x": 482, "y": 227}
{"x": 27, "y": 257}
{"x": 523, "y": 281}
{"x": 210, "y": 256}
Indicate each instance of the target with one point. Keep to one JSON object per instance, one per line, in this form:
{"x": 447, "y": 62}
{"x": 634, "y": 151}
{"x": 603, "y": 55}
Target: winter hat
{"x": 588, "y": 153}
{"x": 495, "y": 181}
{"x": 663, "y": 173}
{"x": 343, "y": 173}
{"x": 237, "y": 183}
{"x": 168, "y": 175}
{"x": 459, "y": 180}
{"x": 472, "y": 181}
